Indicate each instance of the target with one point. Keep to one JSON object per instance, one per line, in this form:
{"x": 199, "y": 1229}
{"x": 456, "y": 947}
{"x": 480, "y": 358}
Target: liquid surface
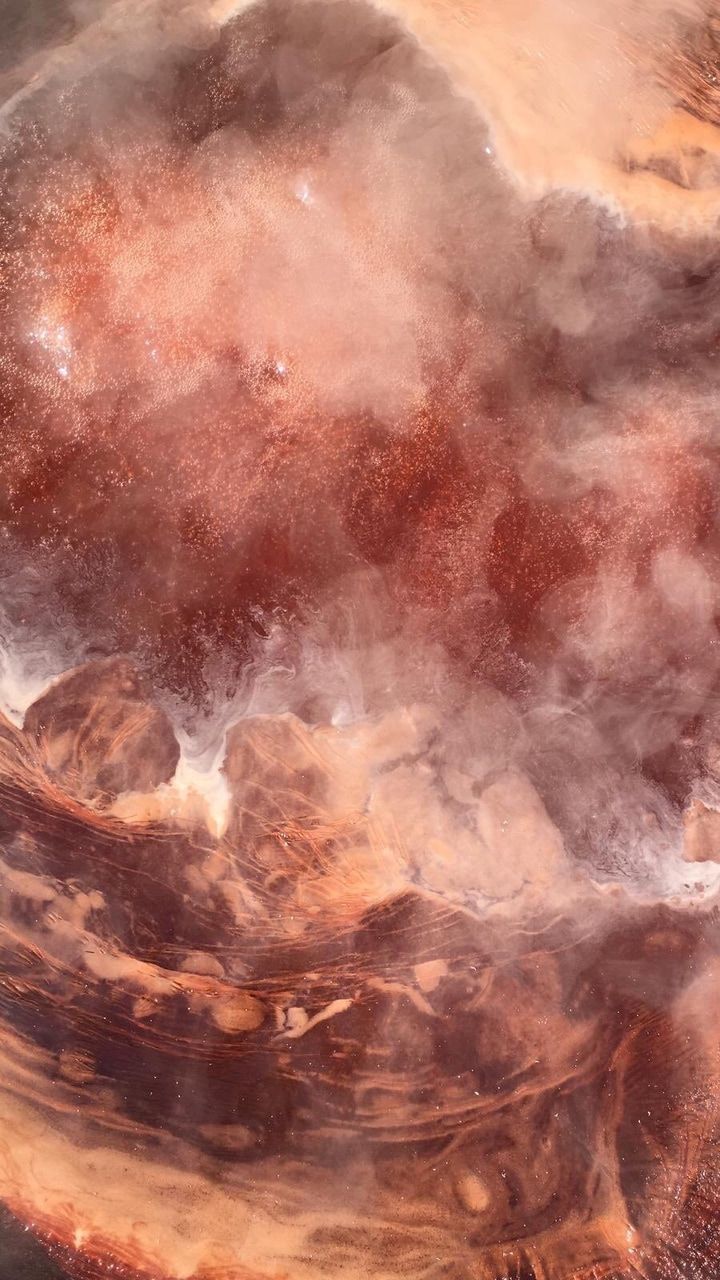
{"x": 360, "y": 755}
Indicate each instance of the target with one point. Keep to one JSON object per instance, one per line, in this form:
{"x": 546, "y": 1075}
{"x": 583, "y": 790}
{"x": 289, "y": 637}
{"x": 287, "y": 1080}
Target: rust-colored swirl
{"x": 359, "y": 385}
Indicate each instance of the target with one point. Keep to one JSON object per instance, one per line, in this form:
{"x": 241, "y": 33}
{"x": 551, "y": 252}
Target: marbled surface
{"x": 359, "y": 589}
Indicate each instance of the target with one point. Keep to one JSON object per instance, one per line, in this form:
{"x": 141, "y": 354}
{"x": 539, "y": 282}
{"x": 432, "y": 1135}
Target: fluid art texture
{"x": 359, "y": 657}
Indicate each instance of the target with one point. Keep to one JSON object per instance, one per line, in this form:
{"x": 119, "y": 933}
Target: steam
{"x": 302, "y": 311}
{"x": 360, "y": 594}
